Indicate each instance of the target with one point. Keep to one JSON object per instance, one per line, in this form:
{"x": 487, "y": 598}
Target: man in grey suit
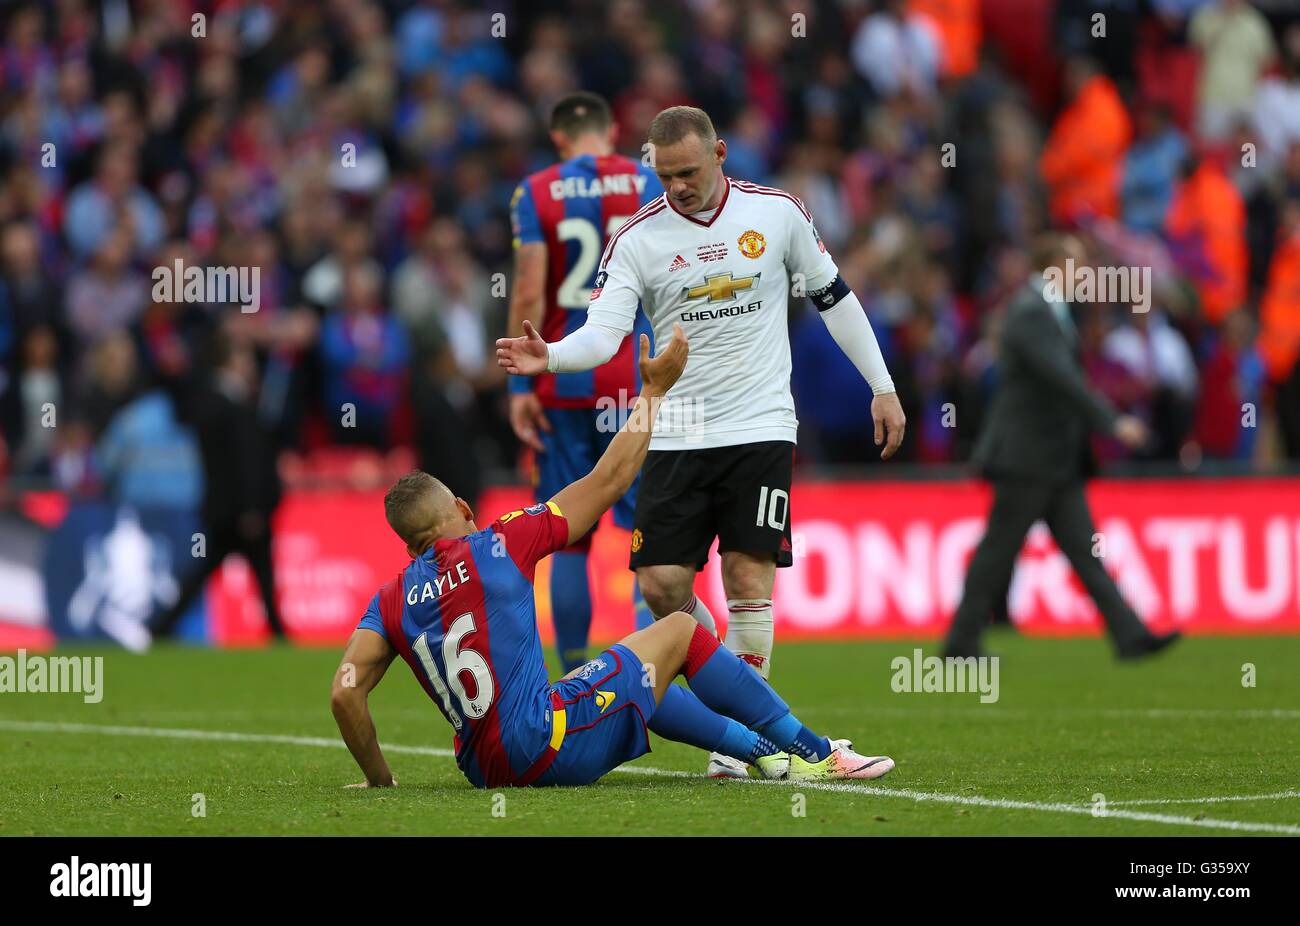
{"x": 1036, "y": 451}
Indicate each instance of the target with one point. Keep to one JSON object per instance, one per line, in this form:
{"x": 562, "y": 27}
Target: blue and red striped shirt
{"x": 463, "y": 618}
{"x": 574, "y": 207}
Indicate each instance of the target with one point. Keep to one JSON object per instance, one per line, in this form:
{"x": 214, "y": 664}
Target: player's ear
{"x": 465, "y": 510}
{"x": 560, "y": 141}
{"x": 720, "y": 151}
{"x": 611, "y": 134}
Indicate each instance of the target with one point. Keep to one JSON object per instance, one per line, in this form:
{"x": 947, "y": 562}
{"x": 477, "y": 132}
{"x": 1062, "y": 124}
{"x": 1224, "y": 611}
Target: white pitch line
{"x": 836, "y": 787}
{"x": 1277, "y": 713}
{"x": 995, "y": 712}
{"x": 1058, "y": 807}
{"x": 216, "y": 735}
{"x": 1217, "y": 799}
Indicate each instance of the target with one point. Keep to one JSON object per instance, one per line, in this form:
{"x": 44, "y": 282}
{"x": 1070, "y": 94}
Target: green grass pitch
{"x": 1177, "y": 745}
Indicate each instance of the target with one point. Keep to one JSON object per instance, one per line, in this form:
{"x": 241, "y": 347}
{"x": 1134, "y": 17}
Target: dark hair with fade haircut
{"x": 676, "y": 122}
{"x": 407, "y": 502}
{"x": 579, "y": 113}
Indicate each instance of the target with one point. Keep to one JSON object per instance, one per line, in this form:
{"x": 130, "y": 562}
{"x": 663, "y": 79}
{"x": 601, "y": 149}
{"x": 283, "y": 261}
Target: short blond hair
{"x": 676, "y": 122}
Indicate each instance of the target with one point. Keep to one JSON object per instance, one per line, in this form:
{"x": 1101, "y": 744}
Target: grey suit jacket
{"x": 1039, "y": 421}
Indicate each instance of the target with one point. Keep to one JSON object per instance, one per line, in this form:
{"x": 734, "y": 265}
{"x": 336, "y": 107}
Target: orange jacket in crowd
{"x": 1207, "y": 219}
{"x": 957, "y": 23}
{"x": 1083, "y": 159}
{"x": 1279, "y": 310}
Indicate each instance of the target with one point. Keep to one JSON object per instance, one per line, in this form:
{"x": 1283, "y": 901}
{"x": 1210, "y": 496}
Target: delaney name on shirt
{"x": 453, "y": 578}
{"x": 607, "y": 185}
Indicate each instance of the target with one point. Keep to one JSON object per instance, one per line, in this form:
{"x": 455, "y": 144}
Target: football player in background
{"x": 562, "y": 218}
{"x": 462, "y": 615}
{"x": 722, "y": 258}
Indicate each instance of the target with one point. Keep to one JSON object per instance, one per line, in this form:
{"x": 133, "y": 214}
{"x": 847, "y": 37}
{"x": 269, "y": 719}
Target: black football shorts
{"x": 739, "y": 494}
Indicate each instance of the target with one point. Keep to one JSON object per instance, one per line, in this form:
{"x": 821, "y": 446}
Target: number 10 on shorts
{"x": 773, "y": 507}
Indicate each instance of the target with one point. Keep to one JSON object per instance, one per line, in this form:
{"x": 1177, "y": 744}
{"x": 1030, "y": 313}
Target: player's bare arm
{"x": 527, "y": 298}
{"x": 365, "y": 661}
{"x": 584, "y": 501}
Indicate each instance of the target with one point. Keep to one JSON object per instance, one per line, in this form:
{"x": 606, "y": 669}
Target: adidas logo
{"x": 679, "y": 263}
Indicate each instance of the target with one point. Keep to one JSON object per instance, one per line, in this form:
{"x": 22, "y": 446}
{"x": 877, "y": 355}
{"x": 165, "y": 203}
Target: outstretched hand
{"x": 524, "y": 356}
{"x": 659, "y": 374}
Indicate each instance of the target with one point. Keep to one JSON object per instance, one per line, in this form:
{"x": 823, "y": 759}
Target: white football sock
{"x": 698, "y": 610}
{"x": 749, "y": 632}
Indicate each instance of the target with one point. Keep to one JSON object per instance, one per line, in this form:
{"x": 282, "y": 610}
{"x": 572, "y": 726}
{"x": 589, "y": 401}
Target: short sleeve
{"x": 806, "y": 254}
{"x": 529, "y": 535}
{"x": 372, "y": 619}
{"x": 525, "y": 224}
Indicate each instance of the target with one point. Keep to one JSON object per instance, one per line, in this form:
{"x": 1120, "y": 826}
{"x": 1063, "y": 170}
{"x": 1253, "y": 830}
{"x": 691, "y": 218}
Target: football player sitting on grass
{"x": 462, "y": 616}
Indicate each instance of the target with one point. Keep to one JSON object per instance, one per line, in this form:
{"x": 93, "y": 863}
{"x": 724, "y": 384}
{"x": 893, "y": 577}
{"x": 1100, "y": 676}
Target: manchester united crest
{"x": 636, "y": 541}
{"x": 752, "y": 243}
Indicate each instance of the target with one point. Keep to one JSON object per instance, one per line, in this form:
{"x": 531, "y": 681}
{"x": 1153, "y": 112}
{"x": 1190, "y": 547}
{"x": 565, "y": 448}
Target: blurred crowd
{"x": 362, "y": 154}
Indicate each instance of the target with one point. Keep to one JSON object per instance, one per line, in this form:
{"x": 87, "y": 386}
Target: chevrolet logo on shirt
{"x": 720, "y": 287}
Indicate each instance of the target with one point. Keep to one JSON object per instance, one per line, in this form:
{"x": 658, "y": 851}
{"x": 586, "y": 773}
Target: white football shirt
{"x": 727, "y": 281}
